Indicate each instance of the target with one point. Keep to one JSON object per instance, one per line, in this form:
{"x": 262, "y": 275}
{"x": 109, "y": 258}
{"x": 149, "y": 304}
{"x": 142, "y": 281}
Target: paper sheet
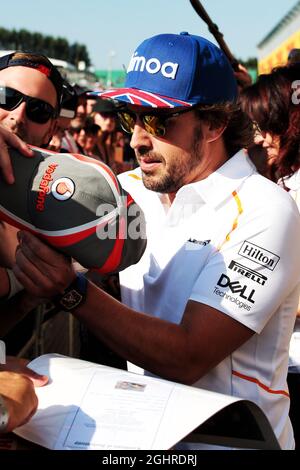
{"x": 89, "y": 406}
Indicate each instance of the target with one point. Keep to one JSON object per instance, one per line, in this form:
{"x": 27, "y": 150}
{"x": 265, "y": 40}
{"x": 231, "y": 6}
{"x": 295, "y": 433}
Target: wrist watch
{"x": 4, "y": 417}
{"x": 74, "y": 295}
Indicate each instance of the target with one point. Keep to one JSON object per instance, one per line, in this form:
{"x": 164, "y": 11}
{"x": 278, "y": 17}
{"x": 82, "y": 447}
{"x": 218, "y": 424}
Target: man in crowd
{"x": 30, "y": 95}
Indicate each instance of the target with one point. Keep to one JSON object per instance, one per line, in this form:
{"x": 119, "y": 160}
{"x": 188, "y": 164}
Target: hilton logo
{"x": 259, "y": 255}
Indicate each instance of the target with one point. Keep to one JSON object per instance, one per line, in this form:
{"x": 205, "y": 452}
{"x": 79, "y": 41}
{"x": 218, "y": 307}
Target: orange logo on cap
{"x": 44, "y": 187}
{"x": 63, "y": 189}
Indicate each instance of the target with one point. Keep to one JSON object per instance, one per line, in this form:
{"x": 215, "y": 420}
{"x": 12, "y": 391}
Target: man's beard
{"x": 174, "y": 177}
{"x": 21, "y": 131}
{"x": 17, "y": 129}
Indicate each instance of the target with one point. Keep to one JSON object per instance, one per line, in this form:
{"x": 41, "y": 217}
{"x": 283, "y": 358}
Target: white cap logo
{"x": 63, "y": 189}
{"x": 153, "y": 66}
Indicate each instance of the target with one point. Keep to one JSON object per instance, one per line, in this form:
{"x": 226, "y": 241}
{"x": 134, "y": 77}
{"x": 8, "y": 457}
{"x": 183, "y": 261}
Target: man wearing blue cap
{"x": 212, "y": 302}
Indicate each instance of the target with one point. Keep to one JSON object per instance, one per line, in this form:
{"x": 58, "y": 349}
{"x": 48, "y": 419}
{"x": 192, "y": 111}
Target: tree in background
{"x": 58, "y": 48}
{"x": 77, "y": 53}
{"x": 250, "y": 63}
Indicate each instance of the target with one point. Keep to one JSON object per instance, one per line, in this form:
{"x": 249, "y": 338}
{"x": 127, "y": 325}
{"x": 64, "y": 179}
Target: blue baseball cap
{"x": 173, "y": 70}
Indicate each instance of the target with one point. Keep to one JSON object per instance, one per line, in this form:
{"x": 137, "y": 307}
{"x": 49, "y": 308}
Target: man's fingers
{"x": 7, "y": 138}
{"x": 5, "y": 163}
{"x": 14, "y": 141}
{"x": 40, "y": 249}
{"x": 37, "y": 379}
{"x": 32, "y": 253}
{"x": 33, "y": 286}
{"x": 19, "y": 365}
{"x": 41, "y": 278}
{"x": 34, "y": 279}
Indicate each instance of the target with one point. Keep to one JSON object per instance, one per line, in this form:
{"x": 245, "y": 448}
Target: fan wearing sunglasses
{"x": 30, "y": 96}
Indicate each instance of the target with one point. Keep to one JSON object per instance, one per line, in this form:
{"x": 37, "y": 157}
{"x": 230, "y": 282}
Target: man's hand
{"x": 18, "y": 365}
{"x": 19, "y": 397}
{"x": 8, "y": 244}
{"x": 7, "y": 138}
{"x": 243, "y": 77}
{"x": 41, "y": 270}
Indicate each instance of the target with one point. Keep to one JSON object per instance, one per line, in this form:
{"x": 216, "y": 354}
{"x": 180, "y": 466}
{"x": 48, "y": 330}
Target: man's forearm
{"x": 4, "y": 283}
{"x": 8, "y": 244}
{"x": 149, "y": 342}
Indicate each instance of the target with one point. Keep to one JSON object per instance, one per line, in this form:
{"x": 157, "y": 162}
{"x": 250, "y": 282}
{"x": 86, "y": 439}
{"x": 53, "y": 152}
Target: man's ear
{"x": 214, "y": 133}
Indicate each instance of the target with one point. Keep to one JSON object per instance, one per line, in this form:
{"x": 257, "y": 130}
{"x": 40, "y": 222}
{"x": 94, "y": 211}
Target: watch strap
{"x": 74, "y": 295}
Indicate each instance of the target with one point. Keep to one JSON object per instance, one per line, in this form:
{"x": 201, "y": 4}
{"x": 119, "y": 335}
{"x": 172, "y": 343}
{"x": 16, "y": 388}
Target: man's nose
{"x": 19, "y": 113}
{"x": 140, "y": 137}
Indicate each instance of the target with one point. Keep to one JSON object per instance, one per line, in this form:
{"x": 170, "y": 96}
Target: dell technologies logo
{"x": 153, "y": 66}
{"x": 236, "y": 288}
{"x": 259, "y": 255}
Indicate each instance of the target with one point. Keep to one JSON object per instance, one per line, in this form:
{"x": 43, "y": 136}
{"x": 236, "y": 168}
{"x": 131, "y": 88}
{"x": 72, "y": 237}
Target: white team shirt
{"x": 229, "y": 241}
{"x": 292, "y": 183}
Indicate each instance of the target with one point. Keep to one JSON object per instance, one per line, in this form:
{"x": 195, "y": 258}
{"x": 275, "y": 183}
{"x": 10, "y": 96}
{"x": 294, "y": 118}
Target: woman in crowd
{"x": 273, "y": 103}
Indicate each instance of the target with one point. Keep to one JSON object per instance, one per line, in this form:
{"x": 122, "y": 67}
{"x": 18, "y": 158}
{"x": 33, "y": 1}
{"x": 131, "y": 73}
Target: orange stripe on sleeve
{"x": 235, "y": 222}
{"x": 260, "y": 384}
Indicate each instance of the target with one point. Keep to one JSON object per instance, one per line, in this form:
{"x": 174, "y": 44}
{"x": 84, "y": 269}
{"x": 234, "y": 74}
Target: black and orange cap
{"x": 47, "y": 68}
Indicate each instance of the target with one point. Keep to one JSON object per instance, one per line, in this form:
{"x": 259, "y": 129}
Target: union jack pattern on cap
{"x": 139, "y": 97}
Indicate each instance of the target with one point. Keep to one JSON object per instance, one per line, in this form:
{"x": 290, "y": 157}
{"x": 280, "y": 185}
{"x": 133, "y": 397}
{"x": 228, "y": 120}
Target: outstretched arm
{"x": 18, "y": 400}
{"x": 183, "y": 353}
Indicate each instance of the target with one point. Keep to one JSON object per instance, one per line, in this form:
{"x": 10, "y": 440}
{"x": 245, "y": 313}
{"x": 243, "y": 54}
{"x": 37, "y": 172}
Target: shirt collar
{"x": 216, "y": 187}
{"x": 291, "y": 182}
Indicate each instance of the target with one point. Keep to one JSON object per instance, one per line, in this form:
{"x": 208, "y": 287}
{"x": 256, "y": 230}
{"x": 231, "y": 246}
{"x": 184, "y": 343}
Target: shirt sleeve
{"x": 256, "y": 270}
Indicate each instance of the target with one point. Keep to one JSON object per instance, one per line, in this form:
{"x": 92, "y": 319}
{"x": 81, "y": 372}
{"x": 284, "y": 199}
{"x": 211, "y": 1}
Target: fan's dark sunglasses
{"x": 155, "y": 123}
{"x": 37, "y": 110}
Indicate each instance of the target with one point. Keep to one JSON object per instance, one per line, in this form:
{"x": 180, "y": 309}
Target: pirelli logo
{"x": 259, "y": 255}
{"x": 247, "y": 272}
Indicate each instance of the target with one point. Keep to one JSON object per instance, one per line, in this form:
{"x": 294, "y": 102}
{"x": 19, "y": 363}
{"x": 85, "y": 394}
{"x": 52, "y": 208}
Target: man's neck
{"x": 213, "y": 160}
